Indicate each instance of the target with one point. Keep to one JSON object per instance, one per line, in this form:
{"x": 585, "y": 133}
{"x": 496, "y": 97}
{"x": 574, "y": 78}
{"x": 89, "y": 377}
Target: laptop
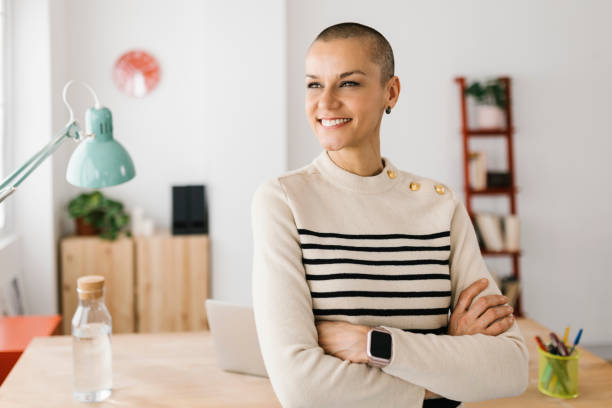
{"x": 235, "y": 337}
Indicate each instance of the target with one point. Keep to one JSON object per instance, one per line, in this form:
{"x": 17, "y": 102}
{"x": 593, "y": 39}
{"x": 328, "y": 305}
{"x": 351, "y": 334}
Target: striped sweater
{"x": 392, "y": 250}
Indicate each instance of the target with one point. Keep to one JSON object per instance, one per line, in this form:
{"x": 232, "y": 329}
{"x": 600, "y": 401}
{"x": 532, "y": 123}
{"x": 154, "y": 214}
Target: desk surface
{"x": 594, "y": 378}
{"x": 179, "y": 370}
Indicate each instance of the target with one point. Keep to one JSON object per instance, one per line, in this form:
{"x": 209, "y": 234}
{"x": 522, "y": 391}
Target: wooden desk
{"x": 179, "y": 370}
{"x": 594, "y": 378}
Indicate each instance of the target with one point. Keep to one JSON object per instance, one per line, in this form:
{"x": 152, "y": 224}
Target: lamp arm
{"x": 70, "y": 131}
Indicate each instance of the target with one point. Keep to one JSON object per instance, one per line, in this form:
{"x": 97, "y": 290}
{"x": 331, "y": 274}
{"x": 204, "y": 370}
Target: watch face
{"x": 380, "y": 345}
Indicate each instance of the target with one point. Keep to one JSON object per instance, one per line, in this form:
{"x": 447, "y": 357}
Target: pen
{"x": 540, "y": 343}
{"x": 566, "y": 335}
{"x": 576, "y": 341}
{"x": 559, "y": 344}
{"x": 558, "y": 368}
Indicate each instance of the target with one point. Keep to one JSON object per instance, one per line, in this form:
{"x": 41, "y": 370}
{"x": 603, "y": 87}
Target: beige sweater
{"x": 332, "y": 245}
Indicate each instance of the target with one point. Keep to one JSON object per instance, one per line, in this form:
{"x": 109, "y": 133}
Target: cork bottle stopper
{"x": 90, "y": 287}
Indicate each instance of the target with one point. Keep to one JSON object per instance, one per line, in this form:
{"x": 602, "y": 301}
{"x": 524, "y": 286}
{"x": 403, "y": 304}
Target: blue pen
{"x": 576, "y": 341}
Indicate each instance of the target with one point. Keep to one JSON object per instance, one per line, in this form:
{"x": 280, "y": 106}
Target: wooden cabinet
{"x": 172, "y": 284}
{"x": 154, "y": 284}
{"x": 94, "y": 256}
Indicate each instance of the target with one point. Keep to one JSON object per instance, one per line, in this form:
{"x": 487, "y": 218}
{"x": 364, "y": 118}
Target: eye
{"x": 349, "y": 83}
{"x": 313, "y": 85}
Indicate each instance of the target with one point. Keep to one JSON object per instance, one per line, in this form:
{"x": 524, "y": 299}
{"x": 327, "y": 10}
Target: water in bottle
{"x": 91, "y": 342}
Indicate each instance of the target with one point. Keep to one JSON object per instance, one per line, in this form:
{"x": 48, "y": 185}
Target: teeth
{"x": 333, "y": 122}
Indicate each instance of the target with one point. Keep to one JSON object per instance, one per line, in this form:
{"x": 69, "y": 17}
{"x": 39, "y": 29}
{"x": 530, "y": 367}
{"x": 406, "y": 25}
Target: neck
{"x": 364, "y": 161}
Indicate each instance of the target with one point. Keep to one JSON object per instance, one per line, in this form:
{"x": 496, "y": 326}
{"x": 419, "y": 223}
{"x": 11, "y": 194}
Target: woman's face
{"x": 344, "y": 95}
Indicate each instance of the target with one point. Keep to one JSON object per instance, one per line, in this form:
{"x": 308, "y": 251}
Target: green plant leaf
{"x": 101, "y": 212}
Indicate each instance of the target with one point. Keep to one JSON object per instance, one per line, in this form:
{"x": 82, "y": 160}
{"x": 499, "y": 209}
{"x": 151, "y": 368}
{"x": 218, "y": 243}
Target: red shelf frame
{"x": 506, "y": 133}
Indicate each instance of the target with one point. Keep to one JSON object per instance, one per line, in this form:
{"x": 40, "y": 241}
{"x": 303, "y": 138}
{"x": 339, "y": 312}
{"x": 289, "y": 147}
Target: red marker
{"x": 540, "y": 343}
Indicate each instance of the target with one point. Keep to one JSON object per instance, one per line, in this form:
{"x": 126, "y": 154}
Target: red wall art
{"x": 136, "y": 73}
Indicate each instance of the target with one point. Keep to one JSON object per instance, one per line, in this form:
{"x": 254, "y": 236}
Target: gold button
{"x": 391, "y": 174}
{"x": 414, "y": 186}
{"x": 439, "y": 188}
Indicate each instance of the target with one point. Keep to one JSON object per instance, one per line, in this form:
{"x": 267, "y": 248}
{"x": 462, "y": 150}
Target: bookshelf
{"x": 506, "y": 133}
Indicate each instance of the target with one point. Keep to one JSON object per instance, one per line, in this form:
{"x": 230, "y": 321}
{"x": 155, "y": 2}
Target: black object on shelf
{"x": 189, "y": 210}
{"x": 498, "y": 179}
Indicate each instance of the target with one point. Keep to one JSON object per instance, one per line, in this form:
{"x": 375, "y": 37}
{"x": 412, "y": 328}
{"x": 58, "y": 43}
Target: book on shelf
{"x": 498, "y": 179}
{"x": 511, "y": 289}
{"x": 497, "y": 232}
{"x": 508, "y": 285}
{"x": 478, "y": 170}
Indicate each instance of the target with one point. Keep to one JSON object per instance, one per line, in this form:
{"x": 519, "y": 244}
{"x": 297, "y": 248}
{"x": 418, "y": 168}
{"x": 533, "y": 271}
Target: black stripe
{"x": 381, "y": 312}
{"x": 377, "y": 249}
{"x": 303, "y": 231}
{"x": 377, "y": 277}
{"x": 321, "y": 261}
{"x": 440, "y": 330}
{"x": 440, "y": 403}
{"x": 365, "y": 293}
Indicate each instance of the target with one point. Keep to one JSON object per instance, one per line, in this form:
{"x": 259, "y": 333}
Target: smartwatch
{"x": 379, "y": 347}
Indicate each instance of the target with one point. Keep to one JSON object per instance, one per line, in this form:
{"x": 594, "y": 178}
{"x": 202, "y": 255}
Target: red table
{"x": 16, "y": 332}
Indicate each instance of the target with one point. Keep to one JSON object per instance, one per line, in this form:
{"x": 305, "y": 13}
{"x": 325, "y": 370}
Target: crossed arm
{"x": 489, "y": 315}
{"x": 303, "y": 374}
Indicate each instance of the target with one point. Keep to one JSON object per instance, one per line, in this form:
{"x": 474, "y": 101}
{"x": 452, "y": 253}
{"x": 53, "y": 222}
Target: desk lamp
{"x": 98, "y": 161}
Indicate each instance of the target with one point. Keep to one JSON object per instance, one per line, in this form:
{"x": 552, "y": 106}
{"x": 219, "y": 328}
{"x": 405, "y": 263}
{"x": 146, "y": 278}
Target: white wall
{"x": 208, "y": 121}
{"x": 558, "y": 55}
{"x": 31, "y": 129}
{"x": 229, "y": 74}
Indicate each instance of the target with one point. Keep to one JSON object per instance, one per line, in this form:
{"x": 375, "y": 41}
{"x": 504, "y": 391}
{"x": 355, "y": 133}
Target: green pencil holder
{"x": 558, "y": 375}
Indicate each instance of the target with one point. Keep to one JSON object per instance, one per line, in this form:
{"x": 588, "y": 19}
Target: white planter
{"x": 489, "y": 116}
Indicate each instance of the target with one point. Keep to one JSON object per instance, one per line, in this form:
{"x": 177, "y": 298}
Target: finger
{"x": 500, "y": 326}
{"x": 492, "y": 314}
{"x": 467, "y": 294}
{"x": 480, "y": 305}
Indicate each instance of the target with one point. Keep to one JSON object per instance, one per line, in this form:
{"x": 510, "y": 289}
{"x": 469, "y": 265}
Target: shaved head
{"x": 379, "y": 48}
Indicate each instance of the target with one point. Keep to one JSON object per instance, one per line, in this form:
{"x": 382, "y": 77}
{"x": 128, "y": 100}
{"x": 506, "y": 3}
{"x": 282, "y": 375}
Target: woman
{"x": 349, "y": 242}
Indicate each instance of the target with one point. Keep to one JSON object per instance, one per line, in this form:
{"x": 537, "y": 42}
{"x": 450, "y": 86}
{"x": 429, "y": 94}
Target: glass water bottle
{"x": 91, "y": 342}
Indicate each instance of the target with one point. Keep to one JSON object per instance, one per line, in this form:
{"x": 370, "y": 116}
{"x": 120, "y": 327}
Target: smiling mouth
{"x": 334, "y": 123}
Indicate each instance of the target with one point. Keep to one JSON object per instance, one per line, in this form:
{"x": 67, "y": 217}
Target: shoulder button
{"x": 391, "y": 174}
{"x": 440, "y": 189}
{"x": 415, "y": 186}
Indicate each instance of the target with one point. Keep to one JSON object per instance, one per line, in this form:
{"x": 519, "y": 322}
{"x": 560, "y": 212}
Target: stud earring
{"x": 388, "y": 110}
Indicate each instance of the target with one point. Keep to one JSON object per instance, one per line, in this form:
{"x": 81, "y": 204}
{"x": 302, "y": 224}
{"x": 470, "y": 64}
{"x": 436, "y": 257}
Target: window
{"x": 3, "y": 98}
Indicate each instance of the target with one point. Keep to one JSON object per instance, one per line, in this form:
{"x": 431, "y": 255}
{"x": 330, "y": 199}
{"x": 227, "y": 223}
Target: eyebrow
{"x": 343, "y": 75}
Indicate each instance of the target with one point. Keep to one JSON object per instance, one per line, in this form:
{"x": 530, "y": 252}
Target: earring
{"x": 388, "y": 110}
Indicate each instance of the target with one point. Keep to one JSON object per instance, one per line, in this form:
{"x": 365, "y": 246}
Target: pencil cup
{"x": 558, "y": 375}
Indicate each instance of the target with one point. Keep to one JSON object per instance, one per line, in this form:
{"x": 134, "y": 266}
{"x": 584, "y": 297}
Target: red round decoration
{"x": 136, "y": 73}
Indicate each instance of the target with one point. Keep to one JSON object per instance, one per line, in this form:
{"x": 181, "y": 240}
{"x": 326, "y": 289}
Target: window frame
{"x": 6, "y": 208}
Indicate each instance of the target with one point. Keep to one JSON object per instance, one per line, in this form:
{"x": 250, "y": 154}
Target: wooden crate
{"x": 172, "y": 283}
{"x": 114, "y": 260}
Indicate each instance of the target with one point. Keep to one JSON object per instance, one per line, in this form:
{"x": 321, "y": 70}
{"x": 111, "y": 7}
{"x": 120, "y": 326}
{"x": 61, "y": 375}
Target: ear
{"x": 392, "y": 91}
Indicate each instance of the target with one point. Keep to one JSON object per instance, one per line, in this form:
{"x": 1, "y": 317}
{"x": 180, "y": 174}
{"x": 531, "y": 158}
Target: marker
{"x": 540, "y": 343}
{"x": 558, "y": 344}
{"x": 548, "y": 370}
{"x": 556, "y": 365}
{"x": 565, "y": 336}
{"x": 576, "y": 341}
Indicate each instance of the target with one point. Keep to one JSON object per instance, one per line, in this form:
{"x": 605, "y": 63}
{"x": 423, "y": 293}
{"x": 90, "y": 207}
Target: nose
{"x": 328, "y": 100}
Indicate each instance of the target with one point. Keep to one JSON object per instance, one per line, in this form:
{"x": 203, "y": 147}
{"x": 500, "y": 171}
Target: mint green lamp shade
{"x": 99, "y": 161}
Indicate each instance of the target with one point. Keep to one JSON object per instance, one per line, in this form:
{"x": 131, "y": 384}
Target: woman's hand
{"x": 488, "y": 315}
{"x": 344, "y": 340}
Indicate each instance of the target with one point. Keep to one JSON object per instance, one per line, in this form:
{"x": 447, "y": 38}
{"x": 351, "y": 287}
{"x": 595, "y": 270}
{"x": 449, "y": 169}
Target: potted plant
{"x": 96, "y": 214}
{"x": 490, "y": 99}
